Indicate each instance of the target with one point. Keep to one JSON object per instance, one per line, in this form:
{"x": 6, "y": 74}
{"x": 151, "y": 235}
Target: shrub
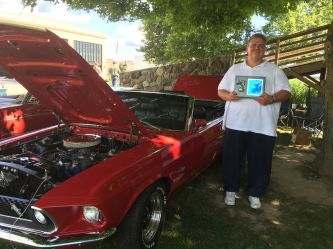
{"x": 300, "y": 92}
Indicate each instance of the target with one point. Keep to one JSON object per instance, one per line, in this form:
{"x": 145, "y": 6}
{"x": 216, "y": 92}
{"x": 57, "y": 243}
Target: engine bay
{"x": 31, "y": 169}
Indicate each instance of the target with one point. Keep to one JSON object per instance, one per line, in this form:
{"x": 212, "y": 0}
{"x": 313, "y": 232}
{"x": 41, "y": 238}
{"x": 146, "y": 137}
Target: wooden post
{"x": 326, "y": 166}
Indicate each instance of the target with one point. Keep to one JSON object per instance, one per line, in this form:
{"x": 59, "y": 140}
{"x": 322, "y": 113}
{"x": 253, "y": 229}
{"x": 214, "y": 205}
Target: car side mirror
{"x": 200, "y": 122}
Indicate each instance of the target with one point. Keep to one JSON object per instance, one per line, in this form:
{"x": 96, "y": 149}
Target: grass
{"x": 203, "y": 222}
{"x": 198, "y": 219}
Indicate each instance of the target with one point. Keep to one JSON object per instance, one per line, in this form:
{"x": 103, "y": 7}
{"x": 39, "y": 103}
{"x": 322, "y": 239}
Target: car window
{"x": 13, "y": 93}
{"x": 208, "y": 110}
{"x": 11, "y": 88}
{"x": 164, "y": 111}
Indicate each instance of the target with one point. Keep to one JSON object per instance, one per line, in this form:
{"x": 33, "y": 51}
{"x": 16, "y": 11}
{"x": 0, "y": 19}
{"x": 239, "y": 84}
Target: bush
{"x": 300, "y": 92}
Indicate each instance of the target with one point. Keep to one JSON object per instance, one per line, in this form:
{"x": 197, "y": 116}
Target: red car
{"x": 109, "y": 166}
{"x": 19, "y": 116}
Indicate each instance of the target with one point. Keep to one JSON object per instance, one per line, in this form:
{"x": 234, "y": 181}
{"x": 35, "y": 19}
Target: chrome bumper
{"x": 40, "y": 242}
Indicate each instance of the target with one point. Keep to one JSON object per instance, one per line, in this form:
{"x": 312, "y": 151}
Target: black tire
{"x": 143, "y": 224}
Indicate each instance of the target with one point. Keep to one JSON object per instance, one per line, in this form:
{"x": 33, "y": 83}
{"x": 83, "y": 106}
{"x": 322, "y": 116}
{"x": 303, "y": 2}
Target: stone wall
{"x": 164, "y": 77}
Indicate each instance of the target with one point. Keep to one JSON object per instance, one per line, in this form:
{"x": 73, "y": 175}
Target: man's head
{"x": 256, "y": 47}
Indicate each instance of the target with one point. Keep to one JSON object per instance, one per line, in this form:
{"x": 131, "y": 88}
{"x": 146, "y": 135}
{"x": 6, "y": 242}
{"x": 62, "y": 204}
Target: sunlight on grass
{"x": 284, "y": 130}
{"x": 213, "y": 186}
{"x": 189, "y": 243}
{"x": 170, "y": 234}
{"x": 276, "y": 222}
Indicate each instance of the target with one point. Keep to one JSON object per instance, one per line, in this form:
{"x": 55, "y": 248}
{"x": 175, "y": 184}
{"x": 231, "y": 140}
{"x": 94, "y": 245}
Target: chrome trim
{"x": 51, "y": 242}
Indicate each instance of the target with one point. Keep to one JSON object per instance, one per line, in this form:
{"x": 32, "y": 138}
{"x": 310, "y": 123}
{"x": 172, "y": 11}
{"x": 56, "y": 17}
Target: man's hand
{"x": 228, "y": 96}
{"x": 265, "y": 99}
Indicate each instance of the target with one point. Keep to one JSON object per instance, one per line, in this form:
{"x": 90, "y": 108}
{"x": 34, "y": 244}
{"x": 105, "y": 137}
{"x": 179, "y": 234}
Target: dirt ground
{"x": 288, "y": 173}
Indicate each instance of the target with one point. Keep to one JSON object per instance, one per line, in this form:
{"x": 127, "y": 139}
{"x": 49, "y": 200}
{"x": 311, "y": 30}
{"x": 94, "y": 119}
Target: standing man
{"x": 114, "y": 71}
{"x": 250, "y": 123}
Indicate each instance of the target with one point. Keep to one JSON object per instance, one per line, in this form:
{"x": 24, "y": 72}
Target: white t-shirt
{"x": 247, "y": 114}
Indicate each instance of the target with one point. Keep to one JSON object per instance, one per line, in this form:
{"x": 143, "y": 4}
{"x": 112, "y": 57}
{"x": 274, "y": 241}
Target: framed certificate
{"x": 249, "y": 86}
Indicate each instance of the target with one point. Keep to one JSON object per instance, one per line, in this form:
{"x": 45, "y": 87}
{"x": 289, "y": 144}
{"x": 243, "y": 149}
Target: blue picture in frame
{"x": 255, "y": 87}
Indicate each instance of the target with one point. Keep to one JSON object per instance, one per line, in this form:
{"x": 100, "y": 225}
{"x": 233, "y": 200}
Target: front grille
{"x": 14, "y": 207}
{"x": 15, "y": 214}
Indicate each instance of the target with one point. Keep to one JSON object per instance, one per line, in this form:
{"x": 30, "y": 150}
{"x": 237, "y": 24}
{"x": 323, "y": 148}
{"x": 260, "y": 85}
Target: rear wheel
{"x": 143, "y": 224}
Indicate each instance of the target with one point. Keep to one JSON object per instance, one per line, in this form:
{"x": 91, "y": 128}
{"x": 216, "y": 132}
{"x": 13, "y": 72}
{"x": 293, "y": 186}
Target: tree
{"x": 190, "y": 29}
{"x": 179, "y": 30}
{"x": 307, "y": 15}
{"x": 165, "y": 45}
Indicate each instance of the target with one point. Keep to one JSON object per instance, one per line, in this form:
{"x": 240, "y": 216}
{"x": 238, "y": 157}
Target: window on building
{"x": 91, "y": 52}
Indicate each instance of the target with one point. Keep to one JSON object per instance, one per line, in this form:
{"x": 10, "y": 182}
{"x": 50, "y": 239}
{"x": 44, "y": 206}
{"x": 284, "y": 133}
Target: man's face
{"x": 256, "y": 48}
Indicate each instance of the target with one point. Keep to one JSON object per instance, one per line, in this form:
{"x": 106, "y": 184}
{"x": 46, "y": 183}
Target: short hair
{"x": 258, "y": 35}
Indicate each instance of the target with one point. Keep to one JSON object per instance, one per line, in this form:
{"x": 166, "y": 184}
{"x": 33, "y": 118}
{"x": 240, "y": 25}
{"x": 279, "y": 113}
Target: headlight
{"x": 40, "y": 217}
{"x": 92, "y": 214}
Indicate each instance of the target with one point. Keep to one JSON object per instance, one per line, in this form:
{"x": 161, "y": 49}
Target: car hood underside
{"x": 61, "y": 79}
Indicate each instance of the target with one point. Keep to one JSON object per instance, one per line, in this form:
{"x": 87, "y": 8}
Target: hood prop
{"x": 134, "y": 130}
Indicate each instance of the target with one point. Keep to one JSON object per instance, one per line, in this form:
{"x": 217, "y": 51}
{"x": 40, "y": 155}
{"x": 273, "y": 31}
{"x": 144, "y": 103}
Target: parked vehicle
{"x": 23, "y": 114}
{"x": 112, "y": 162}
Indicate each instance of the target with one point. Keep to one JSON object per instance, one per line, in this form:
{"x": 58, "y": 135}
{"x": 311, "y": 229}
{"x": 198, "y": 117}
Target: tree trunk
{"x": 326, "y": 165}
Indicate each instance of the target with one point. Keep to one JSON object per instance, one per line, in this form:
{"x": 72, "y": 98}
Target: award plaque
{"x": 249, "y": 86}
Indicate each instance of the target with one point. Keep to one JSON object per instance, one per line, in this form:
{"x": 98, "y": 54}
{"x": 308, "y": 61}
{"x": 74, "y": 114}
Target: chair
{"x": 285, "y": 113}
{"x": 314, "y": 117}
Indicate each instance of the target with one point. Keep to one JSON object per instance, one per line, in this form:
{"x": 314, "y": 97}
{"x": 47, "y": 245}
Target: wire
{"x": 26, "y": 208}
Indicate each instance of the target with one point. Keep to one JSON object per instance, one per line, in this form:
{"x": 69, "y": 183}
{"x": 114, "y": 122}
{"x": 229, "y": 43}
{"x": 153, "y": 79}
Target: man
{"x": 250, "y": 123}
{"x": 114, "y": 71}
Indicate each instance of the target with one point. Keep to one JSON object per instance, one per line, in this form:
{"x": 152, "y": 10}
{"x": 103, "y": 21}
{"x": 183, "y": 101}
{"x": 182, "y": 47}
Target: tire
{"x": 143, "y": 223}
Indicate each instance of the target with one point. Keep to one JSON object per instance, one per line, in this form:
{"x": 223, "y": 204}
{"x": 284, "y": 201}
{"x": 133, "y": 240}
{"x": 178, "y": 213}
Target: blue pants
{"x": 257, "y": 149}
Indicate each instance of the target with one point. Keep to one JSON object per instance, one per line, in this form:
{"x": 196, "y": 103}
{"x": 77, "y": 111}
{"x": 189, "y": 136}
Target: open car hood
{"x": 199, "y": 86}
{"x": 61, "y": 79}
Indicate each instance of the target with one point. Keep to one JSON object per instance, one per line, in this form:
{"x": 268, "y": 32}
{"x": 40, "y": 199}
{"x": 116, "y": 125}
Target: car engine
{"x": 31, "y": 169}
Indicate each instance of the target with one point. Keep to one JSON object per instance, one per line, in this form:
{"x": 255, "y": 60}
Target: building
{"x": 89, "y": 44}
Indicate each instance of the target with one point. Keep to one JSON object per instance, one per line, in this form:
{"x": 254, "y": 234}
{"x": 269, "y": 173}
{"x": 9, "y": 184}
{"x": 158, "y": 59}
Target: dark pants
{"x": 257, "y": 149}
{"x": 114, "y": 80}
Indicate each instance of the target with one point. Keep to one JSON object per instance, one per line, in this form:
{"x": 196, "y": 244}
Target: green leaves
{"x": 306, "y": 15}
{"x": 182, "y": 30}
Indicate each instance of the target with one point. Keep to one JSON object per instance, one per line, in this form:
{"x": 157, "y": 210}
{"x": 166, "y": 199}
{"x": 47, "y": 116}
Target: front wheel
{"x": 143, "y": 224}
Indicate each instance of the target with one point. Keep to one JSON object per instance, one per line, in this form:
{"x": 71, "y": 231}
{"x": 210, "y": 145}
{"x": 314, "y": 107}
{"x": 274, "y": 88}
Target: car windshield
{"x": 160, "y": 110}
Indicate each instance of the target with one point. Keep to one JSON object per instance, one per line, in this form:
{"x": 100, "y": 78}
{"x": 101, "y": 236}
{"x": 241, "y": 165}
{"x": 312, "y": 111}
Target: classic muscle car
{"x": 113, "y": 160}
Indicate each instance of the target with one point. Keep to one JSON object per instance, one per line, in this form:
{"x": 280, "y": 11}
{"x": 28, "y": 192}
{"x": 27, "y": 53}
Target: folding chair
{"x": 285, "y": 113}
{"x": 314, "y": 117}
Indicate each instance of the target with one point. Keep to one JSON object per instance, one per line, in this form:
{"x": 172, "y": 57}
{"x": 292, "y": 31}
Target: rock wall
{"x": 164, "y": 77}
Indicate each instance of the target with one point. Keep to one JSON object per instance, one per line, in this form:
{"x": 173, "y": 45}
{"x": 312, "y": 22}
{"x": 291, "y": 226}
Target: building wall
{"x": 62, "y": 29}
{"x": 164, "y": 77}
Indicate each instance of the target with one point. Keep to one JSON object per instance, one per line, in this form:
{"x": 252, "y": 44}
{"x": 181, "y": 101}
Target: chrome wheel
{"x": 153, "y": 215}
{"x": 143, "y": 224}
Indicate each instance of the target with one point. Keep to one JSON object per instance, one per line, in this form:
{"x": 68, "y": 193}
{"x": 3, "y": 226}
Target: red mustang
{"x": 112, "y": 161}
